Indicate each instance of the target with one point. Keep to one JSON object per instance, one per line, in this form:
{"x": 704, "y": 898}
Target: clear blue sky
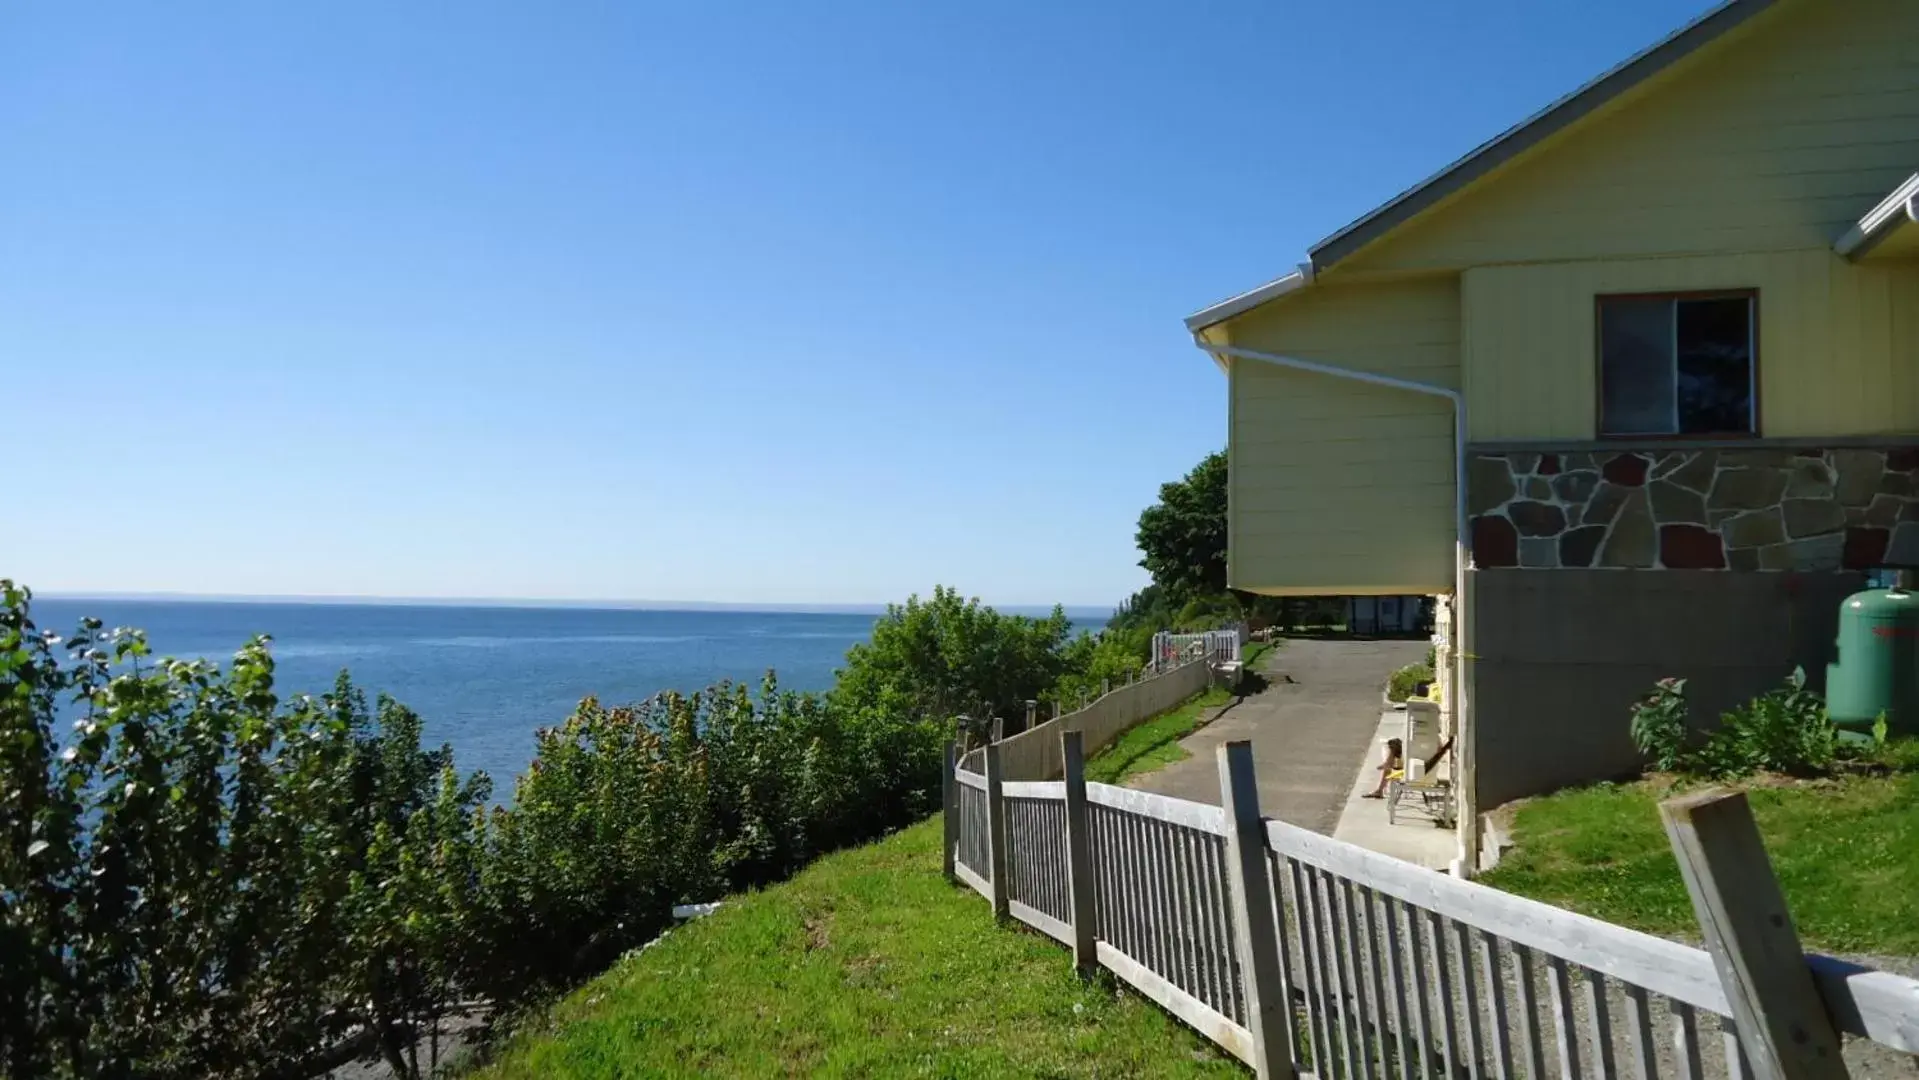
{"x": 775, "y": 302}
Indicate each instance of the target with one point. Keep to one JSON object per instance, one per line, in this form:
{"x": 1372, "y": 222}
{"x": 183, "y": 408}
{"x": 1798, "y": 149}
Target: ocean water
{"x": 484, "y": 678}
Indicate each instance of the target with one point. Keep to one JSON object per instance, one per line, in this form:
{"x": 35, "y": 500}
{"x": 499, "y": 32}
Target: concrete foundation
{"x": 1559, "y": 658}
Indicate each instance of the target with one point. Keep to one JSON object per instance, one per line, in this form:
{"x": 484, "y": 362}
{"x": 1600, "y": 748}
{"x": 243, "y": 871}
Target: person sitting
{"x": 1389, "y": 768}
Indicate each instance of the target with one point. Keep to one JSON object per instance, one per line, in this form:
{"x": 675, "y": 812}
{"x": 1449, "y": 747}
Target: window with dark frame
{"x": 1681, "y": 364}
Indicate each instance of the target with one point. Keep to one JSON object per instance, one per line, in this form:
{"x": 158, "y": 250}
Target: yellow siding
{"x": 1838, "y": 343}
{"x": 1776, "y": 138}
{"x": 1338, "y": 487}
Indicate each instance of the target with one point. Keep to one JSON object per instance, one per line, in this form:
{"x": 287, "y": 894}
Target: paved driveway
{"x": 1309, "y": 726}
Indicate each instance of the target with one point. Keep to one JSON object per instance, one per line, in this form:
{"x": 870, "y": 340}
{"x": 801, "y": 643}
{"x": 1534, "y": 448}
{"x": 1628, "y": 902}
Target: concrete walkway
{"x": 1309, "y": 729}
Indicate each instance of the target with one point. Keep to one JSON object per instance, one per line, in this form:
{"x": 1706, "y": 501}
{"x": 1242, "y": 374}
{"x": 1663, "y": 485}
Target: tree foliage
{"x": 206, "y": 879}
{"x": 1183, "y": 536}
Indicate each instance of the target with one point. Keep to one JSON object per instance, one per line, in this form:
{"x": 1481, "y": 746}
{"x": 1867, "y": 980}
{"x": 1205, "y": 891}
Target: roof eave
{"x": 1247, "y": 301}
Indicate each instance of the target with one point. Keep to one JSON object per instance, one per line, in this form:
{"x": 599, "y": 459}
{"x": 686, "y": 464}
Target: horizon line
{"x": 744, "y": 606}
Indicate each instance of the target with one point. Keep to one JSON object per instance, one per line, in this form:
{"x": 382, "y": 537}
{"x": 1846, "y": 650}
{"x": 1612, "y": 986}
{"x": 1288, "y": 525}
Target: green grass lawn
{"x": 866, "y": 964}
{"x": 1846, "y": 852}
{"x": 1154, "y": 743}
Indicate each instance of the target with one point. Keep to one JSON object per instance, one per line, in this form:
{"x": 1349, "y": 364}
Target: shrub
{"x": 1784, "y": 730}
{"x": 202, "y": 881}
{"x": 1406, "y": 680}
{"x": 1659, "y": 726}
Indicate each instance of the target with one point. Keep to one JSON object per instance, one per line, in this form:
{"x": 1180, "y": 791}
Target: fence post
{"x": 1105, "y": 687}
{"x": 1079, "y": 853}
{"x": 1032, "y": 714}
{"x": 995, "y": 832}
{"x": 1255, "y": 941}
{"x": 1783, "y": 1024}
{"x": 949, "y": 810}
{"x": 1056, "y": 708}
{"x": 999, "y": 728}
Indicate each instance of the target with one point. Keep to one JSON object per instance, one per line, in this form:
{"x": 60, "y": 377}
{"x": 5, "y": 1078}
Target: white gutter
{"x": 1247, "y": 301}
{"x": 1879, "y": 221}
{"x": 1463, "y": 751}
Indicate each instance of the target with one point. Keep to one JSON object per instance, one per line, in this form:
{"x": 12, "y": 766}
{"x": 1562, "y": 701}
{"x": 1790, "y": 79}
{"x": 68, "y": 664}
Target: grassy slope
{"x": 1155, "y": 743}
{"x": 1846, "y": 852}
{"x": 866, "y": 964}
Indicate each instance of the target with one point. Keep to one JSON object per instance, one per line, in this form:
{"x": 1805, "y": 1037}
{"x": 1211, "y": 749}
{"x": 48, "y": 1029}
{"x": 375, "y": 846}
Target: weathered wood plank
{"x": 1565, "y": 1034}
{"x": 1375, "y": 982}
{"x": 1738, "y": 1064}
{"x": 1236, "y": 1040}
{"x": 1878, "y": 1005}
{"x": 1079, "y": 854}
{"x": 1312, "y": 946}
{"x": 949, "y": 811}
{"x": 1356, "y": 988}
{"x": 1685, "y": 1037}
{"x": 1397, "y": 975}
{"x": 1164, "y": 807}
{"x": 1034, "y": 789}
{"x": 979, "y": 884}
{"x": 1468, "y": 995}
{"x": 996, "y": 833}
{"x": 1749, "y": 931}
{"x": 1492, "y": 974}
{"x": 1599, "y": 1016}
{"x": 1663, "y": 967}
{"x": 1443, "y": 983}
{"x": 1639, "y": 1038}
{"x": 1422, "y": 1013}
{"x": 967, "y": 778}
{"x": 1532, "y": 1053}
{"x": 1247, "y": 885}
{"x": 1056, "y": 929}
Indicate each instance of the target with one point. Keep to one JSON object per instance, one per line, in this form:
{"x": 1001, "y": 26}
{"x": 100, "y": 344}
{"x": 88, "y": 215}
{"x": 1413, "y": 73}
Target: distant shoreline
{"x": 1076, "y": 612}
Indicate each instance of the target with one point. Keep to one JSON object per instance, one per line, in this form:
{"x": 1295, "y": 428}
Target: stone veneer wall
{"x": 1696, "y": 509}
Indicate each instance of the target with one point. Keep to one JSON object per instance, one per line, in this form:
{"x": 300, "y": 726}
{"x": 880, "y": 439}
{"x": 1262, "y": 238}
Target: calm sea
{"x": 483, "y": 678}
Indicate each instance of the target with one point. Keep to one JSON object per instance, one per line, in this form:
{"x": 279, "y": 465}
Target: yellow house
{"x": 1638, "y": 379}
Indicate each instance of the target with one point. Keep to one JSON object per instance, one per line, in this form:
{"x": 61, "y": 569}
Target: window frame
{"x": 1750, "y": 295}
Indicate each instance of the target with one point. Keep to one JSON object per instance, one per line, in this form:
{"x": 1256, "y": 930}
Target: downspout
{"x": 1464, "y": 752}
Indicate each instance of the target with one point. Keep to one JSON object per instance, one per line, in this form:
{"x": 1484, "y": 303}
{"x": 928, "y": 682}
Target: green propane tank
{"x": 1877, "y": 669}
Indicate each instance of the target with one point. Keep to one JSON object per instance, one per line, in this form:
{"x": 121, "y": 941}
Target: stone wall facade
{"x": 1696, "y": 509}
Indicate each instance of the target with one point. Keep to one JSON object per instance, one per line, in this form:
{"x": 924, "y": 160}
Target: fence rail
{"x": 1171, "y": 650}
{"x": 1034, "y": 754}
{"x": 1305, "y": 956}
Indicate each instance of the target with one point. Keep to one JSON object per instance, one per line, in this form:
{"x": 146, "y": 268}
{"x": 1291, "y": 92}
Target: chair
{"x": 1417, "y": 783}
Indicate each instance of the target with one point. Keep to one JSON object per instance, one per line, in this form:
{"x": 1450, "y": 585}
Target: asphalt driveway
{"x": 1315, "y": 718}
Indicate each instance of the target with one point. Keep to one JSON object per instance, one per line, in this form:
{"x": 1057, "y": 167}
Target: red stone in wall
{"x": 1690, "y": 547}
{"x": 1865, "y": 548}
{"x": 1495, "y": 542}
{"x": 1549, "y": 465}
{"x": 1626, "y": 470}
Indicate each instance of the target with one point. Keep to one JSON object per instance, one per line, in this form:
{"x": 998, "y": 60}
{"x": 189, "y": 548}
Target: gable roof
{"x": 1492, "y": 154}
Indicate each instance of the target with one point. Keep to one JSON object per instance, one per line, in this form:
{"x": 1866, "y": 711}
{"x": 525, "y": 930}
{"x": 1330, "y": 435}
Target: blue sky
{"x": 735, "y": 302}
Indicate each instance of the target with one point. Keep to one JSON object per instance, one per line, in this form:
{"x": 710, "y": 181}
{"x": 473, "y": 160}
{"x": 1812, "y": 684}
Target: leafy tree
{"x": 1183, "y": 535}
{"x": 948, "y": 657}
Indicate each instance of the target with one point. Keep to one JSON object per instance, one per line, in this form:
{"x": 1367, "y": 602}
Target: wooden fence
{"x": 1305, "y": 956}
{"x": 1034, "y": 754}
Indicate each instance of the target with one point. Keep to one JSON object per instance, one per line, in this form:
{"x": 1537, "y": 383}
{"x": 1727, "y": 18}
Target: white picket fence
{"x": 1305, "y": 956}
{"x": 1170, "y": 650}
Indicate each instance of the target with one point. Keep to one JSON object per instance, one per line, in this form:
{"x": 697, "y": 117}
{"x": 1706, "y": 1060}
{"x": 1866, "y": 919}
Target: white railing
{"x": 1305, "y": 956}
{"x": 1170, "y": 650}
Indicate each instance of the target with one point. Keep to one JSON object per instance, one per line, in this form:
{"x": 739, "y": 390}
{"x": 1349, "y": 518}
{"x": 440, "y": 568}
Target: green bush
{"x": 1659, "y": 725}
{"x": 1785, "y": 730}
{"x": 205, "y": 880}
{"x": 1406, "y": 680}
